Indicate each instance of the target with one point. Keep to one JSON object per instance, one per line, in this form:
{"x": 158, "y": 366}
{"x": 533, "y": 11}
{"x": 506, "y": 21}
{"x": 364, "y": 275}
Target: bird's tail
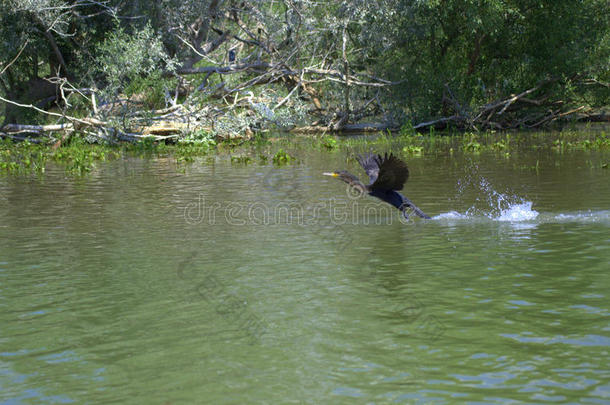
{"x": 408, "y": 207}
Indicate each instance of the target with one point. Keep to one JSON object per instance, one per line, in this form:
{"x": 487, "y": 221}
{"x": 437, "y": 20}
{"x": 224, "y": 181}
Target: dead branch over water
{"x": 107, "y": 122}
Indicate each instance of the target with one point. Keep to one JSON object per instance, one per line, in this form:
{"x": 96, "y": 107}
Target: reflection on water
{"x": 119, "y": 285}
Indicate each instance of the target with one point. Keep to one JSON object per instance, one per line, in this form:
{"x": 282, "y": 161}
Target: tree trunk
{"x": 34, "y": 91}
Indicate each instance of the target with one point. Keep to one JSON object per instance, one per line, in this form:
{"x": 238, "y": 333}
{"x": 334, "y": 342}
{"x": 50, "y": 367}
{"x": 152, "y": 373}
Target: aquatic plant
{"x": 185, "y": 153}
{"x": 281, "y": 157}
{"x": 22, "y": 157}
{"x": 241, "y": 159}
{"x": 260, "y": 140}
{"x": 500, "y": 145}
{"x": 329, "y": 142}
{"x": 471, "y": 144}
{"x": 413, "y": 150}
{"x": 199, "y": 137}
{"x": 407, "y": 130}
{"x": 79, "y": 157}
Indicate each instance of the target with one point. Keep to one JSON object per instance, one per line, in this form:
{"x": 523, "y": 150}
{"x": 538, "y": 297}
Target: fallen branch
{"x": 490, "y": 108}
{"x": 444, "y": 120}
{"x": 86, "y": 121}
{"x": 283, "y": 101}
{"x": 14, "y": 128}
{"x": 138, "y": 137}
{"x": 517, "y": 97}
{"x": 20, "y": 138}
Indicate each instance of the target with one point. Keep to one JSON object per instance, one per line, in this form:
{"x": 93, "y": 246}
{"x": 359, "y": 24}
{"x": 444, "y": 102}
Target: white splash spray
{"x": 498, "y": 206}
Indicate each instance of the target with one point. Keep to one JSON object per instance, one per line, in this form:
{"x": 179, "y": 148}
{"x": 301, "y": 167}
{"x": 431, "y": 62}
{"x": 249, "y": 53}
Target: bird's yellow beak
{"x": 332, "y": 174}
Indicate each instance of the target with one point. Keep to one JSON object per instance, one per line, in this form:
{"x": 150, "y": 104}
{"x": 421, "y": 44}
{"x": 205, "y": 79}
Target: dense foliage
{"x": 243, "y": 65}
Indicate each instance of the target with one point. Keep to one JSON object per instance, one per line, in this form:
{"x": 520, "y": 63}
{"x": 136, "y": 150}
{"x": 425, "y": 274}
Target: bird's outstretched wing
{"x": 370, "y": 165}
{"x": 392, "y": 173}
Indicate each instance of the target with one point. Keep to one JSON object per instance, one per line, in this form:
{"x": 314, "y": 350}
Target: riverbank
{"x": 79, "y": 157}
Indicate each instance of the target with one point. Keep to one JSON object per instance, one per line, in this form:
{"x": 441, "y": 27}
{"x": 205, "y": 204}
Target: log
{"x": 19, "y": 138}
{"x": 139, "y": 137}
{"x": 37, "y": 128}
{"x": 603, "y": 117}
{"x": 163, "y": 128}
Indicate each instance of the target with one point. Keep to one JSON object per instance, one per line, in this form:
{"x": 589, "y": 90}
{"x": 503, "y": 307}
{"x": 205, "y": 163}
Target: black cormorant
{"x": 387, "y": 174}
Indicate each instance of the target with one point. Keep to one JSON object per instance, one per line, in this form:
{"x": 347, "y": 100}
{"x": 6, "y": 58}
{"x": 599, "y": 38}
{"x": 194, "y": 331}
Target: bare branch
{"x": 15, "y": 58}
{"x": 283, "y": 101}
{"x": 85, "y": 121}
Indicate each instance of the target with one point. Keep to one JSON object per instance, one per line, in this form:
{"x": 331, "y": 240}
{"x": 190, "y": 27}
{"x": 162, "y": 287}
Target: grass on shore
{"x": 79, "y": 157}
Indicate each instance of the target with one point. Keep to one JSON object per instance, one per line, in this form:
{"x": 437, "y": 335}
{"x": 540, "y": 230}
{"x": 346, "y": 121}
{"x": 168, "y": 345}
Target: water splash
{"x": 518, "y": 212}
{"x": 490, "y": 203}
{"x": 506, "y": 207}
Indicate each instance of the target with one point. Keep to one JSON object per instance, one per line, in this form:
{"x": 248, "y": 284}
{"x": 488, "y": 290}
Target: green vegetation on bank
{"x": 78, "y": 157}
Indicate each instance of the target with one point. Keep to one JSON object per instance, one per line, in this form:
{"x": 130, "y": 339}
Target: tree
{"x": 469, "y": 63}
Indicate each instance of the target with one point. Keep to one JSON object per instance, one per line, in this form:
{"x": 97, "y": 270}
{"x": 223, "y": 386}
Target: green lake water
{"x": 216, "y": 282}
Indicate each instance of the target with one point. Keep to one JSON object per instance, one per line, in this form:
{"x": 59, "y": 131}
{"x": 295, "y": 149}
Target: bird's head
{"x": 335, "y": 174}
{"x": 343, "y": 175}
{"x": 331, "y": 174}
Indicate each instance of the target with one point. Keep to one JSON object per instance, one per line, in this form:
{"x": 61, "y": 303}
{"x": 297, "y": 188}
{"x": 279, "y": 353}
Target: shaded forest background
{"x": 186, "y": 69}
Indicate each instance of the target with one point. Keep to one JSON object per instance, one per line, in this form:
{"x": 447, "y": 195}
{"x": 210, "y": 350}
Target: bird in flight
{"x": 387, "y": 174}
